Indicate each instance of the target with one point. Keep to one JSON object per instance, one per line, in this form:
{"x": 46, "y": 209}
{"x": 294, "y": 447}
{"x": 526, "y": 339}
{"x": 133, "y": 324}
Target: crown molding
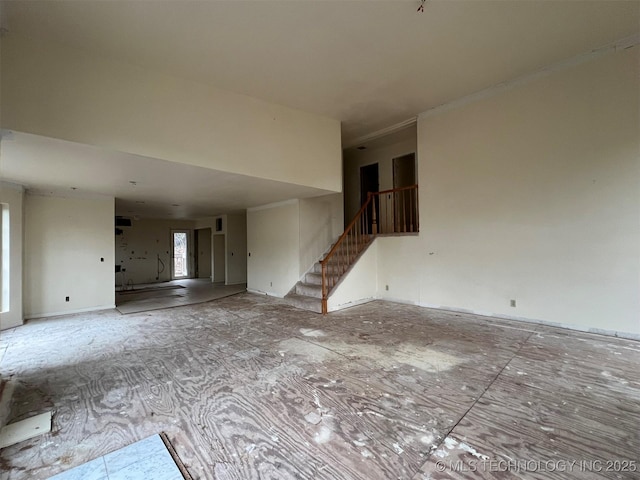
{"x": 613, "y": 47}
{"x": 382, "y": 132}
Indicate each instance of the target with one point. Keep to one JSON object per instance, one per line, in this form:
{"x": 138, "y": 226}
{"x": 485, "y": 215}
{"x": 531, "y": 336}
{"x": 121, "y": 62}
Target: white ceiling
{"x": 162, "y": 189}
{"x": 370, "y": 64}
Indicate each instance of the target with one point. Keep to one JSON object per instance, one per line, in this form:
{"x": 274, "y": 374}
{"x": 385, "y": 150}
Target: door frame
{"x": 189, "y": 233}
{"x": 214, "y": 253}
{"x": 363, "y": 193}
{"x": 198, "y": 266}
{"x": 401, "y": 198}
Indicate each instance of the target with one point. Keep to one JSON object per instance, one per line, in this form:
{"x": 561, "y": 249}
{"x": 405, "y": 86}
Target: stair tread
{"x": 307, "y": 293}
{"x": 304, "y": 302}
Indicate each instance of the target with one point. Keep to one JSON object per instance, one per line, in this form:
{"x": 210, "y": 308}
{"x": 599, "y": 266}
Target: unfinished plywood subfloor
{"x": 176, "y": 293}
{"x": 248, "y": 387}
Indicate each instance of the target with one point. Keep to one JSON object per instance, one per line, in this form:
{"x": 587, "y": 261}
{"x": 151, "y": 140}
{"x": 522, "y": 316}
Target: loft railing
{"x": 387, "y": 212}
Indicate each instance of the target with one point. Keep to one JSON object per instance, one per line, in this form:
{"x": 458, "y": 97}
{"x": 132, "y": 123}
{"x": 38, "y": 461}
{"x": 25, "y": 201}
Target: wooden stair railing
{"x": 387, "y": 212}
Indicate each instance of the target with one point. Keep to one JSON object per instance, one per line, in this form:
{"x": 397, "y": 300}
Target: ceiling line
{"x": 613, "y": 47}
{"x": 382, "y": 132}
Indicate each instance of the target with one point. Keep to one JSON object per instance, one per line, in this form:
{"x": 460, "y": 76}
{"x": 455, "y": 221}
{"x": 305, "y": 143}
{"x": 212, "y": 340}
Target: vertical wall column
{"x": 11, "y": 198}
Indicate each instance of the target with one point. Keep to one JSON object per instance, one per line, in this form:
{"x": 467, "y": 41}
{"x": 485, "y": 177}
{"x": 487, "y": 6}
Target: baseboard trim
{"x": 69, "y": 312}
{"x": 535, "y": 321}
{"x": 524, "y": 320}
{"x": 260, "y": 292}
{"x": 355, "y": 303}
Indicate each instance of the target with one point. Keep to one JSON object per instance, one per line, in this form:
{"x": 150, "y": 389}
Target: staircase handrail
{"x": 359, "y": 245}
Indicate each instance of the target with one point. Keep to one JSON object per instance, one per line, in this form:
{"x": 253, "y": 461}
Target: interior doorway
{"x": 219, "y": 259}
{"x": 405, "y": 202}
{"x": 180, "y": 254}
{"x": 369, "y": 182}
{"x": 202, "y": 246}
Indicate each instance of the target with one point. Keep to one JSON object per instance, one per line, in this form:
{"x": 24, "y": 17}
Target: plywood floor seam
{"x": 249, "y": 387}
{"x": 438, "y": 446}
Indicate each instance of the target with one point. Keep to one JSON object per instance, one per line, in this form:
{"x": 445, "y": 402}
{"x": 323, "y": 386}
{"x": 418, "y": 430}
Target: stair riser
{"x": 308, "y": 294}
{"x": 313, "y": 278}
{"x": 305, "y": 303}
{"x": 314, "y": 291}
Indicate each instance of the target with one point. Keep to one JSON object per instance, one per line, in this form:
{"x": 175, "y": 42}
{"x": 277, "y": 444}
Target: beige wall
{"x": 11, "y": 315}
{"x": 321, "y": 223}
{"x": 65, "y": 240}
{"x": 140, "y": 246}
{"x": 285, "y": 239}
{"x": 532, "y": 195}
{"x": 273, "y": 245}
{"x": 403, "y": 143}
{"x": 400, "y": 267}
{"x": 236, "y": 248}
{"x": 360, "y": 284}
{"x": 57, "y": 92}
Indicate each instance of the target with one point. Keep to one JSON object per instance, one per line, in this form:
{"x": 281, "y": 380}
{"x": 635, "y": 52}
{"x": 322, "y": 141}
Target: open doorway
{"x": 180, "y": 254}
{"x": 202, "y": 247}
{"x": 406, "y": 201}
{"x": 369, "y": 182}
{"x": 219, "y": 259}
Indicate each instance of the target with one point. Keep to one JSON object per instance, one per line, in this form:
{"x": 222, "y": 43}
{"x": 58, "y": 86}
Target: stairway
{"x": 388, "y": 212}
{"x": 307, "y": 294}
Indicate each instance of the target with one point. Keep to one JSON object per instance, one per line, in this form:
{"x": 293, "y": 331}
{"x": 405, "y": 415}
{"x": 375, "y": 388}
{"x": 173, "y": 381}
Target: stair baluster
{"x": 364, "y": 227}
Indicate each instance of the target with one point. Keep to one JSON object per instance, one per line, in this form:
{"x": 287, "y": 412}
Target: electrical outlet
{"x": 386, "y": 287}
{"x": 271, "y": 284}
{"x": 513, "y": 303}
{"x": 66, "y": 299}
